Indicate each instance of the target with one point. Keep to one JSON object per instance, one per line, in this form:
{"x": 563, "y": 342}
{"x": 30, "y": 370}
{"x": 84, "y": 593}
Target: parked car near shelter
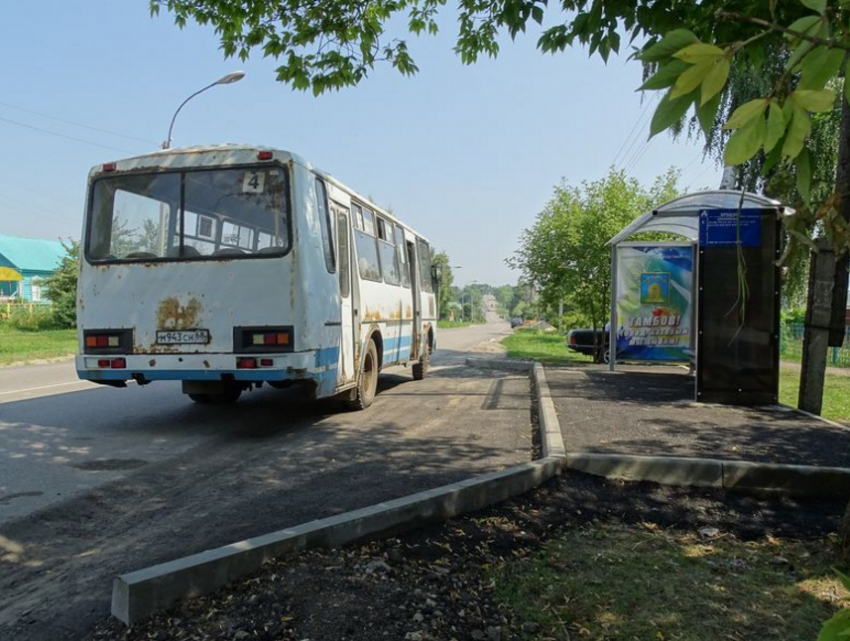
{"x": 516, "y": 322}
{"x": 582, "y": 341}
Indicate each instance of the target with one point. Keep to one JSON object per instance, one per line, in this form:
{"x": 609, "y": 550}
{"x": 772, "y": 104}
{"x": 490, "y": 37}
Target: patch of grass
{"x": 547, "y": 348}
{"x": 17, "y": 345}
{"x": 614, "y": 582}
{"x": 446, "y": 324}
{"x": 836, "y": 393}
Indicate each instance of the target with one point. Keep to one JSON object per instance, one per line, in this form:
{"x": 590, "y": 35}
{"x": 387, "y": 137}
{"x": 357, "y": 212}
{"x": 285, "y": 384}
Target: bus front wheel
{"x": 367, "y": 384}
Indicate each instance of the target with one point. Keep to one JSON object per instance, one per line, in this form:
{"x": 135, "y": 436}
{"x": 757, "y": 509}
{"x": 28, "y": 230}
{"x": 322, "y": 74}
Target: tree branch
{"x": 721, "y": 14}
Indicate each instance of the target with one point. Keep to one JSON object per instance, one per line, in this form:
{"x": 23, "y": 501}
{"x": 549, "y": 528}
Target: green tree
{"x": 565, "y": 253}
{"x": 444, "y": 292}
{"x": 62, "y": 286}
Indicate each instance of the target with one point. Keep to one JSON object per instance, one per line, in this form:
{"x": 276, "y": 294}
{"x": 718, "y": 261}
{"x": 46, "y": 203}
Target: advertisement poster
{"x": 654, "y": 302}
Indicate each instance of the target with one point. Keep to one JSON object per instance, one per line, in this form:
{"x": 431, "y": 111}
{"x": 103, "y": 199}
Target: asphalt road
{"x": 96, "y": 481}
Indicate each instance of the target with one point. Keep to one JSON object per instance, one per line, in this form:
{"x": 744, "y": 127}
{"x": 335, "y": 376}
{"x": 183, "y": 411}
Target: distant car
{"x": 582, "y": 341}
{"x": 516, "y": 322}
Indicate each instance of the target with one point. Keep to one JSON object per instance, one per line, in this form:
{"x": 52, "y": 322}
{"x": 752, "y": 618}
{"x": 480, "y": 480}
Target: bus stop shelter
{"x": 710, "y": 299}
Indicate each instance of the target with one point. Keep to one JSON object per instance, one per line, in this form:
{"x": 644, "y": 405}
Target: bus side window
{"x": 369, "y": 222}
{"x": 401, "y": 250}
{"x": 357, "y": 216}
{"x": 325, "y": 223}
{"x": 368, "y": 262}
{"x": 389, "y": 255}
{"x": 424, "y": 265}
{"x": 344, "y": 258}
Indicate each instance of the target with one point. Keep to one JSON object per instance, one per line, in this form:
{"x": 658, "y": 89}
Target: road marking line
{"x": 35, "y": 389}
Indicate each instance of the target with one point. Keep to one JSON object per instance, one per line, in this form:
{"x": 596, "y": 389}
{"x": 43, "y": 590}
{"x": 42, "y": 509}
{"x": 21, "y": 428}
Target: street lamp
{"x": 230, "y": 78}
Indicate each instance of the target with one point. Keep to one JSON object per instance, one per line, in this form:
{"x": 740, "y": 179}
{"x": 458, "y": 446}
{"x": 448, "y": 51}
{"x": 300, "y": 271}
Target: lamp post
{"x": 230, "y": 78}
{"x": 461, "y": 293}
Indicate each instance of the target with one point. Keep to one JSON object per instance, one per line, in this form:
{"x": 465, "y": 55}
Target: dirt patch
{"x": 436, "y": 583}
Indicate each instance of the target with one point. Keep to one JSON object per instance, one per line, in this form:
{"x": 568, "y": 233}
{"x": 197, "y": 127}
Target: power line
{"x": 28, "y": 205}
{"x": 58, "y": 135}
{"x": 632, "y": 138}
{"x": 40, "y": 194}
{"x": 77, "y": 124}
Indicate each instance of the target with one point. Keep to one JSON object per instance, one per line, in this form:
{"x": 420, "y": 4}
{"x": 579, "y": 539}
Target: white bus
{"x": 230, "y": 266}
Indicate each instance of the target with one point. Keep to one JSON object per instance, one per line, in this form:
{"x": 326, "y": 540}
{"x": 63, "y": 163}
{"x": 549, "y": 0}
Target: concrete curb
{"x": 784, "y": 407}
{"x": 139, "y": 594}
{"x": 801, "y": 480}
{"x": 550, "y": 428}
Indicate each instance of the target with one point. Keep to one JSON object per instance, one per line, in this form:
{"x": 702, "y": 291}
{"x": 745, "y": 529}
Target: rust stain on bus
{"x": 172, "y": 315}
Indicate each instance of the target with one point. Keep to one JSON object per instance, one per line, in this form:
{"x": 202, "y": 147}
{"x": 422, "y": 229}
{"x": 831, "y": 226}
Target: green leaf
{"x": 820, "y": 66}
{"x": 699, "y": 52}
{"x": 745, "y": 113}
{"x": 798, "y": 131}
{"x": 845, "y": 580}
{"x": 707, "y": 113}
{"x": 669, "y": 112}
{"x": 745, "y": 143}
{"x": 666, "y": 76}
{"x": 691, "y": 79}
{"x": 715, "y": 80}
{"x": 775, "y": 126}
{"x": 804, "y": 173}
{"x": 809, "y": 243}
{"x": 808, "y": 25}
{"x": 835, "y": 629}
{"x": 669, "y": 44}
{"x": 800, "y": 52}
{"x": 815, "y": 5}
{"x": 817, "y": 101}
{"x": 772, "y": 158}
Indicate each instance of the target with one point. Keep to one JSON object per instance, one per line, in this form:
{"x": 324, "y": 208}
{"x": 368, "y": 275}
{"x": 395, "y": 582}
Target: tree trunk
{"x": 819, "y": 335}
{"x": 842, "y": 187}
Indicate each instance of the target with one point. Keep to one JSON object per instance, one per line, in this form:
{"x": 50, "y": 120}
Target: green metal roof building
{"x": 24, "y": 262}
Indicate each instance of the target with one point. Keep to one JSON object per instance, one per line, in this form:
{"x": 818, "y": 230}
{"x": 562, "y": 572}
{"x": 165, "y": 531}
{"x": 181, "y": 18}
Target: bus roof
{"x": 230, "y": 153}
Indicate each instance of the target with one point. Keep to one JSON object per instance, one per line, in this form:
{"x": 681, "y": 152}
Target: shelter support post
{"x": 613, "y": 323}
{"x": 816, "y": 334}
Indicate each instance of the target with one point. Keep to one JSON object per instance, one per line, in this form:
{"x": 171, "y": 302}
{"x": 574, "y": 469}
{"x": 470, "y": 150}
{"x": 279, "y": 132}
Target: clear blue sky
{"x": 466, "y": 155}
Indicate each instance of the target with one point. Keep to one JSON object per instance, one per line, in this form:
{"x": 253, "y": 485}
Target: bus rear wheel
{"x": 367, "y": 383}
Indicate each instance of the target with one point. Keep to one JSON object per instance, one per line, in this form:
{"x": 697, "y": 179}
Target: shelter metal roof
{"x": 681, "y": 215}
{"x": 31, "y": 254}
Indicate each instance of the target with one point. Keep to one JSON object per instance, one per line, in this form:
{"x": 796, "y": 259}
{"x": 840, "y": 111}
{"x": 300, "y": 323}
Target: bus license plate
{"x": 183, "y": 337}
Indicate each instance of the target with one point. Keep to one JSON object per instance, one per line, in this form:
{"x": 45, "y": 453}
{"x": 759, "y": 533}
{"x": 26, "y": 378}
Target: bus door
{"x": 417, "y": 300}
{"x": 347, "y": 366}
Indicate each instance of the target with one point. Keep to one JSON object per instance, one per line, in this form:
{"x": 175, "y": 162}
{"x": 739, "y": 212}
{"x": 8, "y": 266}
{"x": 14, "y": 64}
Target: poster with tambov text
{"x": 654, "y": 307}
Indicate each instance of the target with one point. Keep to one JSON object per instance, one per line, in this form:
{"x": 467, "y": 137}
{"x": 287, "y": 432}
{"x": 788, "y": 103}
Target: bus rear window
{"x": 189, "y": 214}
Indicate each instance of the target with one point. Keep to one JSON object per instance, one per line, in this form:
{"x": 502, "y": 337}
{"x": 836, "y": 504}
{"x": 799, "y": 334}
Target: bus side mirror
{"x": 437, "y": 274}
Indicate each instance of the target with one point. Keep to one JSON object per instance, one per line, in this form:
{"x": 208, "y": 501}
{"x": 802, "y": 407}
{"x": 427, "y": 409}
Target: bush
{"x": 31, "y": 318}
{"x": 62, "y": 287}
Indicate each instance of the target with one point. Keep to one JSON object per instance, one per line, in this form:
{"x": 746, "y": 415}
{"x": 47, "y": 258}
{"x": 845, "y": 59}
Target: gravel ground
{"x": 431, "y": 584}
{"x": 650, "y": 411}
